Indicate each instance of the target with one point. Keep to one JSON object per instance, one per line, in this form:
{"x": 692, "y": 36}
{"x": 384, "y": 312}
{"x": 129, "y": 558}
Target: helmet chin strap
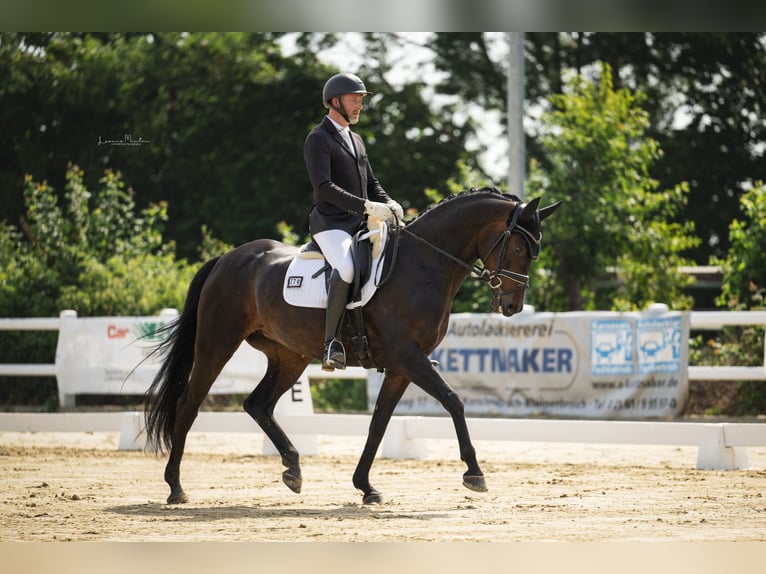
{"x": 341, "y": 109}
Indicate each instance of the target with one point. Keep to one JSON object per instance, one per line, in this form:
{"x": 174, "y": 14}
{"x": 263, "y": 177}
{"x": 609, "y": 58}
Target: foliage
{"x": 91, "y": 252}
{"x": 744, "y": 287}
{"x": 288, "y": 235}
{"x": 614, "y": 217}
{"x": 741, "y": 346}
{"x": 211, "y": 246}
{"x": 94, "y": 254}
{"x": 744, "y": 267}
{"x": 331, "y": 395}
{"x": 217, "y": 122}
{"x": 703, "y": 97}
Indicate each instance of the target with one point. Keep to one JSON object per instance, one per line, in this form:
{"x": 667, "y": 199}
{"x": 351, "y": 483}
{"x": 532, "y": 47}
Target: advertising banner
{"x": 111, "y": 355}
{"x": 581, "y": 364}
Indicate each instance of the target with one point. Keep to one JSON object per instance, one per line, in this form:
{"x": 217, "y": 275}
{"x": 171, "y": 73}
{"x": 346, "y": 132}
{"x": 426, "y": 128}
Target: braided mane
{"x": 471, "y": 191}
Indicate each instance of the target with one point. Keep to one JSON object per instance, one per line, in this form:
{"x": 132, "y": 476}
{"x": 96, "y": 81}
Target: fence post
{"x": 65, "y": 401}
{"x": 714, "y": 454}
{"x": 132, "y": 432}
{"x": 396, "y": 443}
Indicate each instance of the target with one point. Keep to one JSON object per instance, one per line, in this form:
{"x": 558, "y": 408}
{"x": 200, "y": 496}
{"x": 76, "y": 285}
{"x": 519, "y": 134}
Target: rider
{"x": 345, "y": 191}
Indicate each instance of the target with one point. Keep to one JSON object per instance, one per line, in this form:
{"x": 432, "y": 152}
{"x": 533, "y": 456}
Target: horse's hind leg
{"x": 209, "y": 360}
{"x": 285, "y": 366}
{"x": 187, "y": 409}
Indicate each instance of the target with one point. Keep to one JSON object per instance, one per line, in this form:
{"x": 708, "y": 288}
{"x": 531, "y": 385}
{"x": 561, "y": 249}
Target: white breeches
{"x": 336, "y": 247}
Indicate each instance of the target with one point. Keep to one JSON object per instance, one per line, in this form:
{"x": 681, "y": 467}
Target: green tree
{"x": 702, "y": 95}
{"x": 744, "y": 287}
{"x": 614, "y": 217}
{"x": 744, "y": 268}
{"x": 221, "y": 119}
{"x": 88, "y": 251}
{"x": 706, "y": 113}
{"x": 91, "y": 252}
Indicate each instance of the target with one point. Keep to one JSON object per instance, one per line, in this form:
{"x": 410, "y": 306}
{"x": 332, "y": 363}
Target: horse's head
{"x": 510, "y": 257}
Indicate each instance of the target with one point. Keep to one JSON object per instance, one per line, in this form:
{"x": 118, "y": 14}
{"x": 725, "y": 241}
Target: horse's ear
{"x": 529, "y": 210}
{"x": 549, "y": 210}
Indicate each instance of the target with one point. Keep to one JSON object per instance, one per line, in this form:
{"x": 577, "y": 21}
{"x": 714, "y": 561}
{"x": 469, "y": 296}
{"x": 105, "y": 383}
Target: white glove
{"x": 377, "y": 210}
{"x": 397, "y": 209}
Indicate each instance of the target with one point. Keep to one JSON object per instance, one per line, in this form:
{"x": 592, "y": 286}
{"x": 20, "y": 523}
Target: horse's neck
{"x": 456, "y": 231}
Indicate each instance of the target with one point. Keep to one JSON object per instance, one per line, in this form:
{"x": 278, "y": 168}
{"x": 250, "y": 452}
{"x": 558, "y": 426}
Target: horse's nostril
{"x": 511, "y": 309}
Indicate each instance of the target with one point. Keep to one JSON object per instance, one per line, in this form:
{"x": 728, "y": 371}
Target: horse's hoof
{"x": 475, "y": 483}
{"x": 178, "y": 498}
{"x": 374, "y": 497}
{"x": 293, "y": 482}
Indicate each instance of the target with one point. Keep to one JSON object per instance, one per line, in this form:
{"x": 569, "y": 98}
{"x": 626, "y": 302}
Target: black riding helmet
{"x": 340, "y": 84}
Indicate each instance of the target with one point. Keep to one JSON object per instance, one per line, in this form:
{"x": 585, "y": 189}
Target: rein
{"x": 493, "y": 278}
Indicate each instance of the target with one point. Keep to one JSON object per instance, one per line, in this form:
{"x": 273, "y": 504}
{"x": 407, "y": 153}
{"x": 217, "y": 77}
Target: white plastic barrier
{"x": 295, "y": 402}
{"x": 722, "y": 446}
{"x": 716, "y": 320}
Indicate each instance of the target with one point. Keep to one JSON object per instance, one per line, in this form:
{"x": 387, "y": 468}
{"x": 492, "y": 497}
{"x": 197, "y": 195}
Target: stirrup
{"x": 334, "y": 356}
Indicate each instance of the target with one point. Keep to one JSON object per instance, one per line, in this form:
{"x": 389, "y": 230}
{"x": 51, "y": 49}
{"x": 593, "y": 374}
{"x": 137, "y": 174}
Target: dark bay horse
{"x": 238, "y": 297}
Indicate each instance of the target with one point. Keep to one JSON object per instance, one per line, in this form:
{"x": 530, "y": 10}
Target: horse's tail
{"x": 173, "y": 376}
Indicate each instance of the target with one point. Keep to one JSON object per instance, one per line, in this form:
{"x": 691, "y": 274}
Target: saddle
{"x": 364, "y": 249}
{"x": 307, "y": 278}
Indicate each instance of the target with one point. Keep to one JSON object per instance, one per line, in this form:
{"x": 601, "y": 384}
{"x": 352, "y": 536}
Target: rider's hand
{"x": 378, "y": 210}
{"x": 398, "y": 211}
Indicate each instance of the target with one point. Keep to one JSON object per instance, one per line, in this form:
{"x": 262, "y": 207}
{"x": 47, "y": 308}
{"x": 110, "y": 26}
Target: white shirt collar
{"x": 345, "y": 133}
{"x": 339, "y": 127}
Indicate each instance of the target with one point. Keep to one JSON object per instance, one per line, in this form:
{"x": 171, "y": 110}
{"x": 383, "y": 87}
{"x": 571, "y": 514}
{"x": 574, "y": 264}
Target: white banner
{"x": 108, "y": 355}
{"x": 603, "y": 365}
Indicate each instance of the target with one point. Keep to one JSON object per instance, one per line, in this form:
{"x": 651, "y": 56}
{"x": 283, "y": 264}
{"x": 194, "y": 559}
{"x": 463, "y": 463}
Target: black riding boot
{"x": 337, "y": 298}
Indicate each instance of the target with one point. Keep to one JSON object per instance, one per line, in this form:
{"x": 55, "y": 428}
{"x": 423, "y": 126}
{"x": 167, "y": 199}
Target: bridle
{"x": 495, "y": 278}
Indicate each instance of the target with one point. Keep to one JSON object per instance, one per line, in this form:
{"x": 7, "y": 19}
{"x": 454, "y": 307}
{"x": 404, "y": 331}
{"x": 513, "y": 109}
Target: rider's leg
{"x": 337, "y": 297}
{"x": 336, "y": 247}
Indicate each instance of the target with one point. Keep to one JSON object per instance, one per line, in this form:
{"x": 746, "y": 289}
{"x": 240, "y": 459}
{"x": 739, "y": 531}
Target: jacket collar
{"x": 329, "y": 125}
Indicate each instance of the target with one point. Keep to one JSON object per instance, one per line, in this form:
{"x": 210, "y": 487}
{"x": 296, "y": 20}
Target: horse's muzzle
{"x": 508, "y": 307}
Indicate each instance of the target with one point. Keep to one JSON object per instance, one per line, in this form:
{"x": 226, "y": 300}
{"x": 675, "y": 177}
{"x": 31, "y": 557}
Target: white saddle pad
{"x": 302, "y": 289}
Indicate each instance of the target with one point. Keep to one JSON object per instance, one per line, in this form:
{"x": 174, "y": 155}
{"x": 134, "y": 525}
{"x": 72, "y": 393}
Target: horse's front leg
{"x": 424, "y": 374}
{"x": 391, "y": 391}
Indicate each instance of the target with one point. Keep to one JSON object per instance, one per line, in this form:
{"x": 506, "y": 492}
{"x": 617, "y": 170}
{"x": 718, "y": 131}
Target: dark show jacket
{"x": 341, "y": 181}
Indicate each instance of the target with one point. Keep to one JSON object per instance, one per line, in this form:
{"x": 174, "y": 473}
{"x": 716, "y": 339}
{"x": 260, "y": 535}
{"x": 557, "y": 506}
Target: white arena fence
{"x": 720, "y": 445}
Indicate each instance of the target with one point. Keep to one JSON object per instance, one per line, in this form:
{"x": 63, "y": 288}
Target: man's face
{"x": 352, "y": 103}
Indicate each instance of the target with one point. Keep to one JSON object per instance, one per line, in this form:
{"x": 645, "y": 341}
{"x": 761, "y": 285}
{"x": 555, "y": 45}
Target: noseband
{"x": 495, "y": 278}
